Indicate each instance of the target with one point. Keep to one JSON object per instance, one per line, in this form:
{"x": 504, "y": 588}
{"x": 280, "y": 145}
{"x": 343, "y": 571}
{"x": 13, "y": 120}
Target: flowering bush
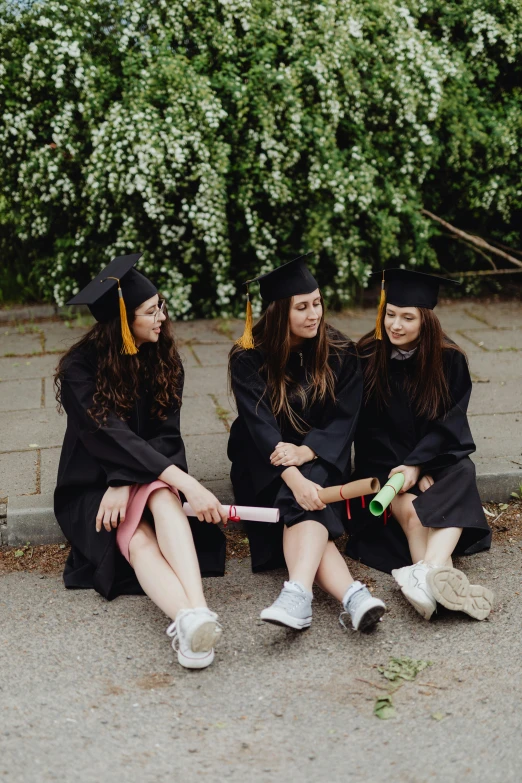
{"x": 223, "y": 137}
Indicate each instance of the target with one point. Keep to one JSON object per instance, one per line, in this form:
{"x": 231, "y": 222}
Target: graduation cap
{"x": 405, "y": 288}
{"x": 290, "y": 279}
{"x": 117, "y": 288}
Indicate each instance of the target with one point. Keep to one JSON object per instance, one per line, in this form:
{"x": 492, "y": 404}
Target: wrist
{"x": 290, "y": 475}
{"x": 308, "y": 453}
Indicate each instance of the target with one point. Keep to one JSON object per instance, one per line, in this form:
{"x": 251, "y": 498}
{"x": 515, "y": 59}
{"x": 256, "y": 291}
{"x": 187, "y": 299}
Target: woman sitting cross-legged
{"x": 297, "y": 385}
{"x": 123, "y": 464}
{"x": 413, "y": 421}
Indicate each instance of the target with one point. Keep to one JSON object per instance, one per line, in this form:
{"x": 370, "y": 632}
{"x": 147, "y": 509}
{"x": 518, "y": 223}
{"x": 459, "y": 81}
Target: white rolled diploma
{"x": 245, "y": 513}
{"x": 354, "y": 489}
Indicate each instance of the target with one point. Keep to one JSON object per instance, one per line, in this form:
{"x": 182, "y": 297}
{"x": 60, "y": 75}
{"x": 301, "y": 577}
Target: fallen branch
{"x": 482, "y": 272}
{"x": 473, "y": 240}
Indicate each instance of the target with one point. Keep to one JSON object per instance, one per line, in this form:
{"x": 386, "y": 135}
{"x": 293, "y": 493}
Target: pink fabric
{"x": 139, "y": 495}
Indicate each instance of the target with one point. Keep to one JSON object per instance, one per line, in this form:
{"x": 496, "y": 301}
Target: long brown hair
{"x": 272, "y": 337}
{"x": 119, "y": 377}
{"x": 428, "y": 389}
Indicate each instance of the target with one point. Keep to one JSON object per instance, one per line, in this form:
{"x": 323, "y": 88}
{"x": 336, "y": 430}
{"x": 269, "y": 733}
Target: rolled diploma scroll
{"x": 245, "y": 513}
{"x": 354, "y": 489}
{"x": 383, "y": 499}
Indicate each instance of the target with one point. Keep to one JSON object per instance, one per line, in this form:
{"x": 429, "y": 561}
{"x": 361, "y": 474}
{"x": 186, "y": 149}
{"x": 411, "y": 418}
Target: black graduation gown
{"x": 120, "y": 452}
{"x": 395, "y": 435}
{"x": 256, "y": 432}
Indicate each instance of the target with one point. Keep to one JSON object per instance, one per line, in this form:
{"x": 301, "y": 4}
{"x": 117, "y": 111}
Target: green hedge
{"x": 224, "y": 136}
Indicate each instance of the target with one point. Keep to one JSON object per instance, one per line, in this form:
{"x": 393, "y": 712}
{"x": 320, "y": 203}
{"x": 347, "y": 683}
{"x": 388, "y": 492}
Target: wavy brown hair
{"x": 119, "y": 376}
{"x": 428, "y": 389}
{"x": 272, "y": 337}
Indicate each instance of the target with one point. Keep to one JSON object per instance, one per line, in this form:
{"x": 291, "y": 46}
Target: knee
{"x": 409, "y": 520}
{"x": 142, "y": 540}
{"x": 160, "y": 496}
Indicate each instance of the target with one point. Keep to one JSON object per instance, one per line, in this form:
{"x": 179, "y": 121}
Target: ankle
{"x": 302, "y": 586}
{"x": 353, "y": 588}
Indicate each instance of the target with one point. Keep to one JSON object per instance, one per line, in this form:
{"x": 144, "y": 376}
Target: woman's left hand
{"x": 112, "y": 508}
{"x": 425, "y": 483}
{"x": 288, "y": 454}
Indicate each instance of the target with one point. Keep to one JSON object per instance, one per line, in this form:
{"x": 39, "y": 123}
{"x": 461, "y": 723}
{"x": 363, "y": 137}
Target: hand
{"x": 204, "y": 504}
{"x": 425, "y": 483}
{"x": 411, "y": 476}
{"x": 288, "y": 454}
{"x": 112, "y": 506}
{"x": 304, "y": 490}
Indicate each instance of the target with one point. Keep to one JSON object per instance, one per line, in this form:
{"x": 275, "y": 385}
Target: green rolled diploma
{"x": 383, "y": 498}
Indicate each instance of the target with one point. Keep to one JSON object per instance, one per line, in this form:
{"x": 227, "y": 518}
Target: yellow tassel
{"x": 128, "y": 346}
{"x": 246, "y": 340}
{"x": 380, "y": 311}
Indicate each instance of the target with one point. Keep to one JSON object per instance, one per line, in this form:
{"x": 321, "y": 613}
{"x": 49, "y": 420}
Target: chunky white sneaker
{"x": 452, "y": 589}
{"x": 194, "y": 633}
{"x": 293, "y": 607}
{"x": 413, "y": 582}
{"x": 361, "y": 607}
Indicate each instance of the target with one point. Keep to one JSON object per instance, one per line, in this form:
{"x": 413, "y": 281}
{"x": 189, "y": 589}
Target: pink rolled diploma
{"x": 245, "y": 513}
{"x": 354, "y": 489}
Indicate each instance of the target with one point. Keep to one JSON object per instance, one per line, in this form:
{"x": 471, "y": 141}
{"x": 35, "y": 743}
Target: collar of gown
{"x": 402, "y": 355}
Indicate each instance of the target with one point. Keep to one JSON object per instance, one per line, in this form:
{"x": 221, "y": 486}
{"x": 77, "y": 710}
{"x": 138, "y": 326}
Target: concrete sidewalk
{"x": 32, "y": 431}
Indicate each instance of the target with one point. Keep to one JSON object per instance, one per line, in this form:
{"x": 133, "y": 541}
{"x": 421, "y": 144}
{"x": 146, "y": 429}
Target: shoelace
{"x": 288, "y": 599}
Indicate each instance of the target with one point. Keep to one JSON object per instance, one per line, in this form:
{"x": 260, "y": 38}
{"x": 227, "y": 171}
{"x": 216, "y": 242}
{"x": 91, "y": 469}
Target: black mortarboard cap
{"x": 290, "y": 279}
{"x": 405, "y": 288}
{"x": 101, "y": 294}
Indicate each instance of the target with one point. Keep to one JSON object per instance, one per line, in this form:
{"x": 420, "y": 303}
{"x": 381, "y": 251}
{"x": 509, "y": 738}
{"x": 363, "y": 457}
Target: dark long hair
{"x": 428, "y": 389}
{"x": 272, "y": 337}
{"x": 118, "y": 377}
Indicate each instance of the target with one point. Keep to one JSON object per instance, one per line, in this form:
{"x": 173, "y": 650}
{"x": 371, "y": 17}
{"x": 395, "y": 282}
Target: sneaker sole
{"x": 205, "y": 637}
{"x": 195, "y": 663}
{"x": 277, "y": 617}
{"x": 453, "y": 590}
{"x": 371, "y": 617}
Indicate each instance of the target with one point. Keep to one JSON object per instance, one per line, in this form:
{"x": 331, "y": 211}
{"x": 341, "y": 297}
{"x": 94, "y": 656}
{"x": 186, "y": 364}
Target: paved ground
{"x": 31, "y": 430}
{"x": 89, "y": 690}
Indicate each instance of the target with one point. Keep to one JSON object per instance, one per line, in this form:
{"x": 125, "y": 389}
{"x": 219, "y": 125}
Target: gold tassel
{"x": 128, "y": 345}
{"x": 246, "y": 340}
{"x": 380, "y": 311}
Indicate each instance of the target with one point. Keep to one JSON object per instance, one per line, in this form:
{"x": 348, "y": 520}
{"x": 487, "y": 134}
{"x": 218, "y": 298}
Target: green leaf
{"x": 503, "y": 506}
{"x": 438, "y": 716}
{"x": 403, "y": 668}
{"x": 383, "y": 708}
{"x": 19, "y": 553}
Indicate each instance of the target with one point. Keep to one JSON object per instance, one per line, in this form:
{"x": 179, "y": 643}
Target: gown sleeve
{"x": 253, "y": 408}
{"x": 125, "y": 457}
{"x": 333, "y": 442}
{"x": 448, "y": 438}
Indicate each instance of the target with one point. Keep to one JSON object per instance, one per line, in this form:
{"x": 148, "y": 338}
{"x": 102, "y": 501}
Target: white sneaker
{"x": 292, "y": 607}
{"x": 194, "y": 633}
{"x": 364, "y": 610}
{"x": 413, "y": 583}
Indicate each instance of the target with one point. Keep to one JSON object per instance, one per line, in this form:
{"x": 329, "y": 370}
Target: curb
{"x": 30, "y": 518}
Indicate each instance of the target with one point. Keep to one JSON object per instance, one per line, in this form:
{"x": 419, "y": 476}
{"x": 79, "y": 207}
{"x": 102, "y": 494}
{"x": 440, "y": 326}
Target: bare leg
{"x": 441, "y": 544}
{"x": 304, "y": 545}
{"x": 406, "y": 516}
{"x": 154, "y": 574}
{"x": 176, "y": 543}
{"x": 333, "y": 575}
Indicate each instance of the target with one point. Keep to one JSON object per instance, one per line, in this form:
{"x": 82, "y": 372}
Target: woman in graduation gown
{"x": 413, "y": 420}
{"x": 123, "y": 464}
{"x": 297, "y": 385}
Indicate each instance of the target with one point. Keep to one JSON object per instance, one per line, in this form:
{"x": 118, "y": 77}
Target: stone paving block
{"x": 49, "y": 460}
{"x": 212, "y": 355}
{"x": 497, "y": 339}
{"x": 60, "y": 337}
{"x": 222, "y": 489}
{"x": 497, "y": 434}
{"x": 454, "y": 315}
{"x": 31, "y": 367}
{"x": 20, "y": 395}
{"x": 227, "y": 403}
{"x": 43, "y": 427}
{"x": 496, "y": 314}
{"x": 199, "y": 417}
{"x": 187, "y": 356}
{"x": 498, "y": 397}
{"x": 205, "y": 380}
{"x": 201, "y": 330}
{"x": 18, "y": 472}
{"x": 31, "y": 519}
{"x": 497, "y": 367}
{"x": 207, "y": 456}
{"x": 19, "y": 340}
